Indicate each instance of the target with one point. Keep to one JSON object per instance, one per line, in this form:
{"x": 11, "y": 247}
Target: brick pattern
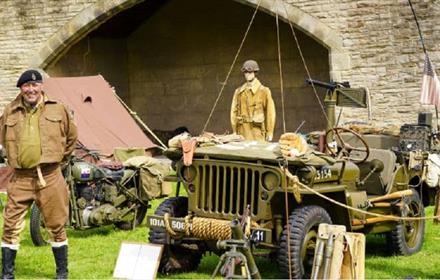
{"x": 380, "y": 37}
{"x": 386, "y": 55}
{"x": 24, "y": 27}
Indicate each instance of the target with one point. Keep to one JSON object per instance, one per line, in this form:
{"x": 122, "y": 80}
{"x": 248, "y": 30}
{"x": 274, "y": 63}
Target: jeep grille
{"x": 226, "y": 188}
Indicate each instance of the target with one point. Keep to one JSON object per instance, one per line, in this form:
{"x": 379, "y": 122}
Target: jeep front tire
{"x": 304, "y": 222}
{"x": 175, "y": 258}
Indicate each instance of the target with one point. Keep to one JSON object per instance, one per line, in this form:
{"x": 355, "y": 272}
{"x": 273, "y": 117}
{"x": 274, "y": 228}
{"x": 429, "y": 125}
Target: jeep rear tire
{"x": 175, "y": 258}
{"x": 407, "y": 238}
{"x": 304, "y": 222}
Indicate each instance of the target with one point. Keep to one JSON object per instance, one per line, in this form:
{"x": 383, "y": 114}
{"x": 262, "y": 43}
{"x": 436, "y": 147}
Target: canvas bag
{"x": 152, "y": 173}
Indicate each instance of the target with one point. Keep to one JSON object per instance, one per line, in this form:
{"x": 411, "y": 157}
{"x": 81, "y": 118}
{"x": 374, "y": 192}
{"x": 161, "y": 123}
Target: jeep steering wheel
{"x": 345, "y": 149}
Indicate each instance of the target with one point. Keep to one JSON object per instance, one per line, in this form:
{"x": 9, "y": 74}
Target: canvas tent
{"x": 103, "y": 122}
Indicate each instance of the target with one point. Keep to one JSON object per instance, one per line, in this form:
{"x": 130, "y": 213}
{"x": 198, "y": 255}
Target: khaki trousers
{"x": 52, "y": 200}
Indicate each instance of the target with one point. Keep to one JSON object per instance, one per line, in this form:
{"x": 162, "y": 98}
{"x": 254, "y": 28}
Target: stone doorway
{"x": 168, "y": 59}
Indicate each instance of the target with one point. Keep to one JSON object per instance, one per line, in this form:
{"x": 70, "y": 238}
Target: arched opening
{"x": 168, "y": 59}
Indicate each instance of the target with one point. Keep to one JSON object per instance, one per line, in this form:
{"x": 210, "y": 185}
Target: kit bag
{"x": 152, "y": 173}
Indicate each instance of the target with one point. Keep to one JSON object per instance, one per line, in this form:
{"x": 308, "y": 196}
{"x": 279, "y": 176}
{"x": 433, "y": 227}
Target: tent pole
{"x": 139, "y": 120}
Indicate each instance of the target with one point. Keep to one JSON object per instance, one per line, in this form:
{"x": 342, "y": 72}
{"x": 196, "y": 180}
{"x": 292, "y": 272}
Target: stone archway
{"x": 137, "y": 60}
{"x": 339, "y": 59}
{"x": 77, "y": 28}
{"x": 95, "y": 15}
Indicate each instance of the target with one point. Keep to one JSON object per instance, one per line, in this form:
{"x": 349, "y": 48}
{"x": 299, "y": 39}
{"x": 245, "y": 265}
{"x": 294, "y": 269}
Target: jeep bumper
{"x": 258, "y": 235}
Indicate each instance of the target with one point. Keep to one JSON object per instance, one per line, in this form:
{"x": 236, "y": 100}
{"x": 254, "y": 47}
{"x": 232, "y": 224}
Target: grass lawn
{"x": 93, "y": 254}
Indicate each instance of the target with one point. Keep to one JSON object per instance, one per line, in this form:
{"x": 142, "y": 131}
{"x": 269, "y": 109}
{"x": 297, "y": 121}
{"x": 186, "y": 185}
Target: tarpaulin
{"x": 103, "y": 122}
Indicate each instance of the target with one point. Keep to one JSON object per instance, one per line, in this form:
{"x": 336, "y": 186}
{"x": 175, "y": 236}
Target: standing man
{"x": 38, "y": 134}
{"x": 253, "y": 109}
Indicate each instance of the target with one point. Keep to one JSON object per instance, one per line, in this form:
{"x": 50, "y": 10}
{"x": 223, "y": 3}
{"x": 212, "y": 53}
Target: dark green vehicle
{"x": 377, "y": 174}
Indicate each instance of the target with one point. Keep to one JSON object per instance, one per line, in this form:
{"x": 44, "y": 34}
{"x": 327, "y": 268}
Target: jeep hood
{"x": 253, "y": 151}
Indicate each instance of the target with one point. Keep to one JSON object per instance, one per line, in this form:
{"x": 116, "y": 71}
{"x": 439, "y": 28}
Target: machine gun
{"x": 339, "y": 94}
{"x": 329, "y": 86}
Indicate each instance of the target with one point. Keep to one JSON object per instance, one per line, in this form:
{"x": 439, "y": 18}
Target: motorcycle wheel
{"x": 175, "y": 258}
{"x": 39, "y": 234}
{"x": 304, "y": 222}
{"x": 407, "y": 237}
{"x": 140, "y": 215}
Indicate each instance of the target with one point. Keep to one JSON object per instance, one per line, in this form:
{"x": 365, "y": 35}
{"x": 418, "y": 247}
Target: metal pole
{"x": 136, "y": 117}
{"x": 422, "y": 41}
{"x": 418, "y": 26}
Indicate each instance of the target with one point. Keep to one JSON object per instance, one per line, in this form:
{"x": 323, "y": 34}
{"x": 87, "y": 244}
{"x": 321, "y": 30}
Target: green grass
{"x": 93, "y": 254}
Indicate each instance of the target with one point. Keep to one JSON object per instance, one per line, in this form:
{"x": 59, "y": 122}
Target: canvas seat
{"x": 377, "y": 183}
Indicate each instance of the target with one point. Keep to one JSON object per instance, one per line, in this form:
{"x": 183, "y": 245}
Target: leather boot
{"x": 8, "y": 263}
{"x": 60, "y": 254}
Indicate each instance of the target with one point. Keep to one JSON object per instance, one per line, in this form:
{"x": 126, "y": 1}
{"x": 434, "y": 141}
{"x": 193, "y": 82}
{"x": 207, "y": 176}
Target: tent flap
{"x": 103, "y": 123}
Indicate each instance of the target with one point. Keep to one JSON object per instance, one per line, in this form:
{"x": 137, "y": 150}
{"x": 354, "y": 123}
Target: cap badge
{"x": 33, "y": 77}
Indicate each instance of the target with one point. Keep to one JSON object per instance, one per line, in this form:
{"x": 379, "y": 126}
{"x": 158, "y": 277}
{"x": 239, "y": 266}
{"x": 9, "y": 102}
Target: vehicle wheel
{"x": 39, "y": 234}
{"x": 174, "y": 258}
{"x": 140, "y": 215}
{"x": 304, "y": 222}
{"x": 407, "y": 238}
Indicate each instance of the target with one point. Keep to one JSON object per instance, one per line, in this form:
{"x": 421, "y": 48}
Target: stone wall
{"x": 24, "y": 27}
{"x": 385, "y": 51}
{"x": 380, "y": 37}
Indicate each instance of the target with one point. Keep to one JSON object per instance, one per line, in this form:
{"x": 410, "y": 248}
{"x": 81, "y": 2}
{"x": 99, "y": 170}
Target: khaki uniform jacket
{"x": 58, "y": 133}
{"x": 253, "y": 111}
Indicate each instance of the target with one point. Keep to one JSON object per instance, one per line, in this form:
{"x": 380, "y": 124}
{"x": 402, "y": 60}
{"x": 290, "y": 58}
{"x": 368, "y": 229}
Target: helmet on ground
{"x": 250, "y": 66}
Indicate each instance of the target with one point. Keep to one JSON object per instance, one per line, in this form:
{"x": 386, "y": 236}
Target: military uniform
{"x": 253, "y": 111}
{"x": 22, "y": 132}
{"x": 36, "y": 141}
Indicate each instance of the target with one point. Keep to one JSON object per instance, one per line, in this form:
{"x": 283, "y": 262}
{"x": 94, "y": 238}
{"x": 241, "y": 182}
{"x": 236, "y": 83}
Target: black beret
{"x": 29, "y": 76}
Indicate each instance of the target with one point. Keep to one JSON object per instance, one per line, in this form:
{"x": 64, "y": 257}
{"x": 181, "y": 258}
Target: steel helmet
{"x": 250, "y": 66}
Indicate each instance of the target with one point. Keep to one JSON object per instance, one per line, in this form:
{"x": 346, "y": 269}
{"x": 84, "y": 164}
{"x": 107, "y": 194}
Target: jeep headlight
{"x": 188, "y": 173}
{"x": 270, "y": 180}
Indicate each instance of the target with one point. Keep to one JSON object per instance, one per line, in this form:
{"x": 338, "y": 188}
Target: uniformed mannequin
{"x": 38, "y": 134}
{"x": 253, "y": 109}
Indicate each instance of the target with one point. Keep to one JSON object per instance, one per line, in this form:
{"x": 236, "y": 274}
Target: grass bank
{"x": 93, "y": 254}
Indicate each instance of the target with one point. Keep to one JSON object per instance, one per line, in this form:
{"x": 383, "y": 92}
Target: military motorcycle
{"x": 98, "y": 195}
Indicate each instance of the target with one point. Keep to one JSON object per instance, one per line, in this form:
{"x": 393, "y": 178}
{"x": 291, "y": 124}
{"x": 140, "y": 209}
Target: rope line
{"x": 281, "y": 72}
{"x": 286, "y": 195}
{"x": 213, "y": 229}
{"x": 286, "y": 203}
{"x": 304, "y": 62}
{"x": 232, "y": 66}
{"x": 392, "y": 217}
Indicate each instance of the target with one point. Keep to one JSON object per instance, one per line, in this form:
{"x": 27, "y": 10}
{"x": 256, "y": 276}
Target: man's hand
{"x": 269, "y": 138}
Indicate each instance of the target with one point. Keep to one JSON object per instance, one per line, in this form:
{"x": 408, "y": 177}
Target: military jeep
{"x": 374, "y": 174}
